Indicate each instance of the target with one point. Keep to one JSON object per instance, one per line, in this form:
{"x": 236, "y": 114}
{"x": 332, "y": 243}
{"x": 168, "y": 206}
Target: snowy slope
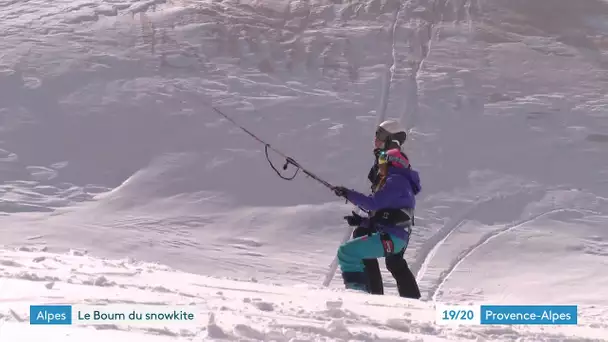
{"x": 229, "y": 310}
{"x": 107, "y": 143}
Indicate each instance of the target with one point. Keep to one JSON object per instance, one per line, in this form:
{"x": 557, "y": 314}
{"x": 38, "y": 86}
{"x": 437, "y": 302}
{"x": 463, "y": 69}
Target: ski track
{"x": 443, "y": 277}
{"x": 425, "y": 48}
{"x": 390, "y": 68}
{"x": 429, "y": 249}
{"x": 432, "y": 245}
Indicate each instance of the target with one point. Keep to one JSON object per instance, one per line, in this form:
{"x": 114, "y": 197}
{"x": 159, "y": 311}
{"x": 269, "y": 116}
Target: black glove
{"x": 354, "y": 220}
{"x": 340, "y": 191}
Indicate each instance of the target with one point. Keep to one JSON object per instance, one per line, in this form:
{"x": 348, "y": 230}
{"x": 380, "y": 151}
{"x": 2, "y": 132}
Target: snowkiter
{"x": 389, "y": 227}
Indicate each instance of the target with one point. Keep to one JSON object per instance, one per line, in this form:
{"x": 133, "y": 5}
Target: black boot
{"x": 372, "y": 268}
{"x": 406, "y": 281}
{"x": 356, "y": 281}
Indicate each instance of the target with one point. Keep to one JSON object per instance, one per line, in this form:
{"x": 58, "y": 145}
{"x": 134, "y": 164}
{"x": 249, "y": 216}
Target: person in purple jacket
{"x": 391, "y": 208}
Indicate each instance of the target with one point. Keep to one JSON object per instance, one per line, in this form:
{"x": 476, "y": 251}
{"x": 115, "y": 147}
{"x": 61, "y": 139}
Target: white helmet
{"x": 391, "y": 126}
{"x": 391, "y": 131}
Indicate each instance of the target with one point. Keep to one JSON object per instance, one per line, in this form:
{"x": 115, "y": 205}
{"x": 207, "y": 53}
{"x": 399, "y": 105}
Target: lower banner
{"x": 506, "y": 314}
{"x": 159, "y": 315}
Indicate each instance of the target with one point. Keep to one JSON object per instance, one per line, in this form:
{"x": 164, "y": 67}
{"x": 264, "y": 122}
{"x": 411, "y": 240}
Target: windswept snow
{"x": 227, "y": 309}
{"x": 108, "y": 145}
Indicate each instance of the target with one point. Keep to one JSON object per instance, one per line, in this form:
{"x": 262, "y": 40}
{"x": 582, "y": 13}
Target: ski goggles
{"x": 385, "y": 158}
{"x": 382, "y": 134}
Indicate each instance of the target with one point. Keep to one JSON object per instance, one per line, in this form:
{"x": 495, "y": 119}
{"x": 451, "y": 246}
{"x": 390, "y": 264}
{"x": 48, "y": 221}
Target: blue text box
{"x": 529, "y": 314}
{"x": 50, "y": 314}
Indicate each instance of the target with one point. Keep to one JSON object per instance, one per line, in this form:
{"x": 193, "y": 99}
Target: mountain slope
{"x": 108, "y": 143}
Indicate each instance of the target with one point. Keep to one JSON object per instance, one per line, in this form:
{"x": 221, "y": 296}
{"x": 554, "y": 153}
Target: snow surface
{"x": 107, "y": 145}
{"x": 232, "y": 310}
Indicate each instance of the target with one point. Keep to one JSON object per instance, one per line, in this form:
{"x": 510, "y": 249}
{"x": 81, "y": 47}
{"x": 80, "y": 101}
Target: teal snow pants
{"x": 352, "y": 253}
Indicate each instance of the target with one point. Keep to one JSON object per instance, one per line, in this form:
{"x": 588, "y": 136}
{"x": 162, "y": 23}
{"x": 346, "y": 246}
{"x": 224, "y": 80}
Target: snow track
{"x": 390, "y": 67}
{"x": 432, "y": 244}
{"x": 434, "y": 292}
{"x": 431, "y": 282}
{"x": 430, "y": 247}
{"x": 426, "y": 253}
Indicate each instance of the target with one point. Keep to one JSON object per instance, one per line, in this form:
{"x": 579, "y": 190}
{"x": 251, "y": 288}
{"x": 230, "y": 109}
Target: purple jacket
{"x": 399, "y": 192}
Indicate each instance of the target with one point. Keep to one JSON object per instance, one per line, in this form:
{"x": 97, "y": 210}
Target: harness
{"x": 393, "y": 217}
{"x": 402, "y": 218}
